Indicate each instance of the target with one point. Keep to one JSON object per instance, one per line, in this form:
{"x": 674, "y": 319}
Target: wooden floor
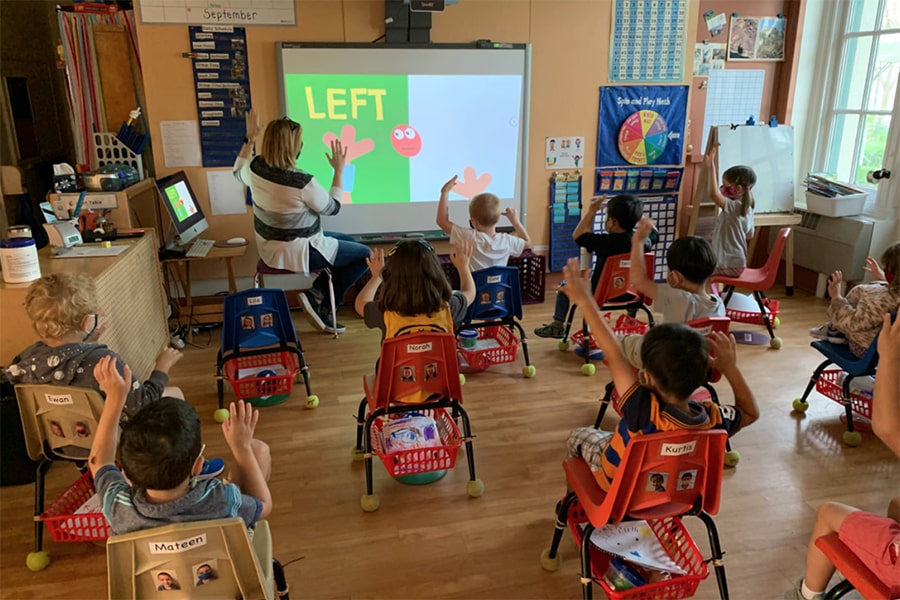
{"x": 433, "y": 541}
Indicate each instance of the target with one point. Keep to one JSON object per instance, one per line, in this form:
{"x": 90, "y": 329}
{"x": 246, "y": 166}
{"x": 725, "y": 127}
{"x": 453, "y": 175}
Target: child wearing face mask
{"x": 63, "y": 312}
{"x": 734, "y": 225}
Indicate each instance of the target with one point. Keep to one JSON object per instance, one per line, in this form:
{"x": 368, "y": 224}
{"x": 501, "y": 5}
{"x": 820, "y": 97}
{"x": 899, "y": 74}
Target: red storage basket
{"x": 258, "y": 387}
{"x": 65, "y": 526}
{"x": 829, "y": 385}
{"x": 504, "y": 352}
{"x": 678, "y": 545}
{"x": 754, "y": 318}
{"x": 624, "y": 325}
{"x": 420, "y": 460}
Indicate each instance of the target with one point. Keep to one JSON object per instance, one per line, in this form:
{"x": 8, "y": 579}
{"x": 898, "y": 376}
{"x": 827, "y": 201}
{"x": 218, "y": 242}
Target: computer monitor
{"x": 184, "y": 211}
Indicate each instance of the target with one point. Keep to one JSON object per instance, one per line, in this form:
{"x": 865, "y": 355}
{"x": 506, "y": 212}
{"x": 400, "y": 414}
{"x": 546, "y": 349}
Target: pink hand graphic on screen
{"x": 470, "y": 185}
{"x": 355, "y": 149}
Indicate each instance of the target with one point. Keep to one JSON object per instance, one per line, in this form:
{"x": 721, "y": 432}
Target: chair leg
{"x": 220, "y": 389}
{"x": 39, "y": 504}
{"x": 333, "y": 301}
{"x": 467, "y": 433}
{"x": 562, "y": 515}
{"x": 840, "y": 590}
{"x": 717, "y": 554}
{"x": 729, "y": 292}
{"x": 569, "y": 320}
{"x": 813, "y": 379}
{"x": 367, "y": 444}
{"x": 760, "y": 302}
{"x": 281, "y": 585}
{"x": 847, "y": 401}
{"x": 360, "y": 423}
{"x": 586, "y": 342}
{"x": 258, "y": 280}
{"x": 586, "y": 574}
{"x": 522, "y": 338}
{"x": 604, "y": 403}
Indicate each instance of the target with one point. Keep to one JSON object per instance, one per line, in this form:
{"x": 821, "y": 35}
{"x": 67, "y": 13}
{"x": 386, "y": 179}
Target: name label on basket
{"x": 494, "y": 279}
{"x": 418, "y": 348}
{"x": 179, "y": 546}
{"x": 60, "y": 400}
{"x": 678, "y": 449}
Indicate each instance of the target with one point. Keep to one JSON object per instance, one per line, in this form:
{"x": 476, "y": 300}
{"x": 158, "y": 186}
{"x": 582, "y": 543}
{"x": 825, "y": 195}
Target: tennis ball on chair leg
{"x": 220, "y": 415}
{"x": 37, "y": 561}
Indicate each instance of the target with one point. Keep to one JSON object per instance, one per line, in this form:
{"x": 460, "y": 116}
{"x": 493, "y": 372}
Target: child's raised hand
{"x": 376, "y": 262}
{"x": 576, "y": 287}
{"x": 889, "y": 340}
{"x": 512, "y": 214}
{"x": 834, "y": 284}
{"x": 167, "y": 359}
{"x": 461, "y": 254}
{"x": 448, "y": 187}
{"x": 874, "y": 269}
{"x": 723, "y": 354}
{"x": 115, "y": 386}
{"x": 596, "y": 204}
{"x": 238, "y": 428}
{"x": 644, "y": 227}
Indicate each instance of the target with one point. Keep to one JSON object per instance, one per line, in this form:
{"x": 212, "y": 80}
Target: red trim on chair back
{"x": 615, "y": 279}
{"x": 414, "y": 367}
{"x": 762, "y": 278}
{"x": 661, "y": 475}
{"x": 853, "y": 568}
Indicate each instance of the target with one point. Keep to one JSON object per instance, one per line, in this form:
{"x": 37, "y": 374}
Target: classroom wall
{"x": 570, "y": 57}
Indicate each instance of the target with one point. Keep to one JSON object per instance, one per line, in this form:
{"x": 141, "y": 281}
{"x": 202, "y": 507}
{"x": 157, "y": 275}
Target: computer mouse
{"x": 236, "y": 241}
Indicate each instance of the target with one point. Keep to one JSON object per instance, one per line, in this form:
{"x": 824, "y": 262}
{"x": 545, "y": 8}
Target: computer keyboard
{"x": 199, "y": 248}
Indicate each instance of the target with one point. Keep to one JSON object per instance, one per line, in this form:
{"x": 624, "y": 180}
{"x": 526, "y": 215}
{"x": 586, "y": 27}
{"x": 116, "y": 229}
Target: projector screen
{"x": 412, "y": 118}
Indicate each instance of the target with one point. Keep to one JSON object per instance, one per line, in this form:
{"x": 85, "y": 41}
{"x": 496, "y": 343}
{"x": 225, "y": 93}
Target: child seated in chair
{"x": 873, "y": 539}
{"x": 63, "y": 311}
{"x": 675, "y": 359}
{"x": 857, "y": 316}
{"x": 622, "y": 214}
{"x": 684, "y": 296}
{"x": 491, "y": 249}
{"x": 161, "y": 454}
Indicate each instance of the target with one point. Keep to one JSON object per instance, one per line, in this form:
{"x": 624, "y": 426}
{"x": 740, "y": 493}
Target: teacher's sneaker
{"x": 325, "y": 316}
{"x": 311, "y": 309}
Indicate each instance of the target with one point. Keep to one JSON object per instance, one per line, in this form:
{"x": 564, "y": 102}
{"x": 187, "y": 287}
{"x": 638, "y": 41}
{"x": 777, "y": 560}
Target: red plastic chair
{"x": 632, "y": 496}
{"x": 758, "y": 281}
{"x": 416, "y": 373}
{"x": 613, "y": 292}
{"x": 857, "y": 575}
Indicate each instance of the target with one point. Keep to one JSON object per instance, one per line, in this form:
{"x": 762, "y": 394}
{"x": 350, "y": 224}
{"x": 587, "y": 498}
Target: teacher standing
{"x": 287, "y": 206}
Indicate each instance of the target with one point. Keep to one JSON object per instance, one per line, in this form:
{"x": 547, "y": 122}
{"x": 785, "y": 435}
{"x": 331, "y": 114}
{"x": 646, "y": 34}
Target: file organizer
{"x": 565, "y": 213}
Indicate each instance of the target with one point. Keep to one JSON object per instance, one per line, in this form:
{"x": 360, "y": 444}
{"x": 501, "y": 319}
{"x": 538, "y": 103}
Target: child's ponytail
{"x": 744, "y": 176}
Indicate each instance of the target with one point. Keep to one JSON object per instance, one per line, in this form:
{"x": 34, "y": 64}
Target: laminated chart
{"x": 647, "y": 40}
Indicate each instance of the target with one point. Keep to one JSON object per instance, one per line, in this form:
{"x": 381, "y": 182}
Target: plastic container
{"x": 19, "y": 260}
{"x": 839, "y": 206}
{"x": 268, "y": 389}
{"x": 66, "y": 526}
{"x": 621, "y": 576}
{"x": 420, "y": 460}
{"x": 468, "y": 338}
{"x": 624, "y": 325}
{"x": 494, "y": 346}
{"x": 830, "y": 385}
{"x": 754, "y": 318}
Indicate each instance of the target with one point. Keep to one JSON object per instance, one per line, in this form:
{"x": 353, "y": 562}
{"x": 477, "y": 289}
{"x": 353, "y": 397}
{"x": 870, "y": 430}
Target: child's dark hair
{"x": 677, "y": 357}
{"x": 414, "y": 282}
{"x": 890, "y": 264}
{"x": 693, "y": 257}
{"x": 745, "y": 176}
{"x": 626, "y": 210}
{"x": 160, "y": 444}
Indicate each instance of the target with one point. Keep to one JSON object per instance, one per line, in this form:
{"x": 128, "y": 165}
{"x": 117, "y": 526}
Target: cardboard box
{"x": 839, "y": 206}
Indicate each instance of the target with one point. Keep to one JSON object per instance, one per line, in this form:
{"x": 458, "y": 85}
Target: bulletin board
{"x": 218, "y": 12}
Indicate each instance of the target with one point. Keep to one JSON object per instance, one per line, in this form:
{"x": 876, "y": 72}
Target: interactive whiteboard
{"x": 770, "y": 152}
{"x": 412, "y": 117}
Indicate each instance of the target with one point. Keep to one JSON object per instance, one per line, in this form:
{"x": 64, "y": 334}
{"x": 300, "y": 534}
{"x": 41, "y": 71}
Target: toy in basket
{"x": 496, "y": 314}
{"x": 416, "y": 443}
{"x": 75, "y": 516}
{"x": 260, "y": 355}
{"x": 624, "y": 325}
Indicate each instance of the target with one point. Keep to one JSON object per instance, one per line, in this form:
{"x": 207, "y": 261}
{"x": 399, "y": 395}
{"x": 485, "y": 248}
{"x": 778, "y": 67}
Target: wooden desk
{"x": 779, "y": 220}
{"x": 207, "y": 309}
{"x": 131, "y": 301}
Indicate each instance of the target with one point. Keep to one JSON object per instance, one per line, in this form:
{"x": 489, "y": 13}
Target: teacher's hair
{"x": 281, "y": 143}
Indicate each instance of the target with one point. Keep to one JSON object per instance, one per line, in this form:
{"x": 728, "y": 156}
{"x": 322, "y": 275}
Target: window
{"x": 859, "y": 118}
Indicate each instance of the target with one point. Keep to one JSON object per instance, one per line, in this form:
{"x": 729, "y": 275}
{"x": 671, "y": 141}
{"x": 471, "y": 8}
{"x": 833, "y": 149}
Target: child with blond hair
{"x": 490, "y": 248}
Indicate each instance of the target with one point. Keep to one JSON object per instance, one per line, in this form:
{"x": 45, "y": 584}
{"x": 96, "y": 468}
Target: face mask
{"x": 729, "y": 191}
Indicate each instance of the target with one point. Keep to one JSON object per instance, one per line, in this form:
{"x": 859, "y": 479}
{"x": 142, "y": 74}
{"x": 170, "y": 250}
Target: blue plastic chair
{"x": 498, "y": 303}
{"x": 257, "y": 323}
{"x": 853, "y": 366}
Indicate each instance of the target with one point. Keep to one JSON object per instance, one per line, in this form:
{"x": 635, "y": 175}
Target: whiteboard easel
{"x": 769, "y": 151}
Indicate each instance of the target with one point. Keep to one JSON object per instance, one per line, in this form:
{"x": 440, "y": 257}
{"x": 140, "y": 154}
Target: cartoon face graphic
{"x": 406, "y": 141}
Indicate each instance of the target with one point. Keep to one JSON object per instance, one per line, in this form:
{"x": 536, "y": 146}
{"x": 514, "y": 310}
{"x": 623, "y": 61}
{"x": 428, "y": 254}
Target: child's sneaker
{"x": 795, "y": 594}
{"x": 211, "y": 468}
{"x": 550, "y": 330}
{"x": 828, "y": 333}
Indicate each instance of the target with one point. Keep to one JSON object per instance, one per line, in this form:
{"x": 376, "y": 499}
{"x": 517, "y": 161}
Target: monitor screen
{"x": 182, "y": 206}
